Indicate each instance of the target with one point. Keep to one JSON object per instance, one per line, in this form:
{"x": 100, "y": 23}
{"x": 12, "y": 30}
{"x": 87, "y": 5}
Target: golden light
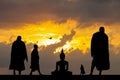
{"x": 47, "y": 42}
{"x": 65, "y": 47}
{"x": 51, "y": 32}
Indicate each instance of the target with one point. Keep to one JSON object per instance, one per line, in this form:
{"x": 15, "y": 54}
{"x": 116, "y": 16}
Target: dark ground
{"x": 50, "y": 77}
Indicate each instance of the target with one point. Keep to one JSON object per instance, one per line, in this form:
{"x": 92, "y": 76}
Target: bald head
{"x": 101, "y": 29}
{"x": 19, "y": 38}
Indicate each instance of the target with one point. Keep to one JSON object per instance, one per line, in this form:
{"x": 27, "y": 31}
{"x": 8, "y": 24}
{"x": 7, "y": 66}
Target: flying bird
{"x": 50, "y": 38}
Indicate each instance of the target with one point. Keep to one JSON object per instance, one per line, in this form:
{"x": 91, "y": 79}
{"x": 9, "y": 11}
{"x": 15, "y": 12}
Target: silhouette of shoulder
{"x": 62, "y": 62}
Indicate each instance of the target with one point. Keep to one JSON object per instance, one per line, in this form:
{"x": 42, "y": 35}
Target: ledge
{"x": 51, "y": 77}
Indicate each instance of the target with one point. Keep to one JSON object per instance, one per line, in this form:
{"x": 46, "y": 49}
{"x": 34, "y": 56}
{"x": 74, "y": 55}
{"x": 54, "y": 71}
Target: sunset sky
{"x": 56, "y": 25}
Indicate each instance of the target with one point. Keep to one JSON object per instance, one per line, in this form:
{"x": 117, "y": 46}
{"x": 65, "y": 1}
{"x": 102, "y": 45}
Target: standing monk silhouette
{"x": 18, "y": 55}
{"x": 35, "y": 60}
{"x": 100, "y": 51}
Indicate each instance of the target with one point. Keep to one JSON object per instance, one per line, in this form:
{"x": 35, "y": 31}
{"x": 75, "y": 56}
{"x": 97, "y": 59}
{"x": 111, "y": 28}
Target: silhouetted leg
{"x": 100, "y": 72}
{"x": 92, "y": 68}
{"x": 14, "y": 72}
{"x": 39, "y": 72}
{"x": 31, "y": 72}
{"x": 19, "y": 72}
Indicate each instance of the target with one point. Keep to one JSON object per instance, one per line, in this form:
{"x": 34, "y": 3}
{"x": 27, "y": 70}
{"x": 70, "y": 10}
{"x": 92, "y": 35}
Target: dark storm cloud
{"x": 87, "y": 11}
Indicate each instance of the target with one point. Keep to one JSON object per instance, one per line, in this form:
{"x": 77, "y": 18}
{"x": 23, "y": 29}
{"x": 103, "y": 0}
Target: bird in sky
{"x": 50, "y": 38}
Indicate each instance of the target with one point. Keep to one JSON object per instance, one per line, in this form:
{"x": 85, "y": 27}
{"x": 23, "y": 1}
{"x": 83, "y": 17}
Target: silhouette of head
{"x": 62, "y": 55}
{"x": 19, "y": 38}
{"x": 101, "y": 29}
{"x": 35, "y": 46}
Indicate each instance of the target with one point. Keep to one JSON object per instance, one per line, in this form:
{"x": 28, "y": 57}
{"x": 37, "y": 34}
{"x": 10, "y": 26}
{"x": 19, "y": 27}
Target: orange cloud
{"x": 51, "y": 32}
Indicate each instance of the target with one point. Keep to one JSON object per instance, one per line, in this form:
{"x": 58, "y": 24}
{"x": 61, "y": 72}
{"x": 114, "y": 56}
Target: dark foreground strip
{"x": 50, "y": 77}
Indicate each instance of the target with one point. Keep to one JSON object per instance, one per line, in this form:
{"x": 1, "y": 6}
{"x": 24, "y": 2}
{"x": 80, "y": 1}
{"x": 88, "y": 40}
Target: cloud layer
{"x": 86, "y": 11}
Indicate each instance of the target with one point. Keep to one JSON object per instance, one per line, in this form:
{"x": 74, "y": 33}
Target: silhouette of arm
{"x": 25, "y": 52}
{"x": 107, "y": 45}
{"x": 92, "y": 47}
{"x": 67, "y": 65}
{"x": 57, "y": 66}
{"x": 93, "y": 40}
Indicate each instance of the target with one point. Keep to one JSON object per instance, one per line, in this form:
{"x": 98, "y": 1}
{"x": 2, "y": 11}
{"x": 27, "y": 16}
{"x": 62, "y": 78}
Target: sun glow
{"x": 80, "y": 43}
{"x": 66, "y": 47}
{"x": 47, "y": 42}
{"x": 67, "y": 34}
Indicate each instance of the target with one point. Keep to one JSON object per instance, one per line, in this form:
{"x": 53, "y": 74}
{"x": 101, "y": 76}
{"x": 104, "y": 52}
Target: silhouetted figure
{"x": 18, "y": 56}
{"x": 100, "y": 51}
{"x": 62, "y": 66}
{"x": 35, "y": 60}
{"x": 82, "y": 70}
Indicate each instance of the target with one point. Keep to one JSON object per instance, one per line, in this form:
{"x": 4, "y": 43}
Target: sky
{"x": 56, "y": 25}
